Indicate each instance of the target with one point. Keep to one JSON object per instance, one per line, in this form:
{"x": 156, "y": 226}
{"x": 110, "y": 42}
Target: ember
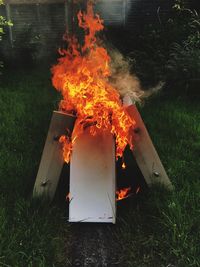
{"x": 81, "y": 75}
{"x": 123, "y": 165}
{"x": 123, "y": 193}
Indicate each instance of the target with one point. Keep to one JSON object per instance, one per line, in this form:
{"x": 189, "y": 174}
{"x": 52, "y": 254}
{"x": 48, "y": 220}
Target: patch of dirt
{"x": 94, "y": 245}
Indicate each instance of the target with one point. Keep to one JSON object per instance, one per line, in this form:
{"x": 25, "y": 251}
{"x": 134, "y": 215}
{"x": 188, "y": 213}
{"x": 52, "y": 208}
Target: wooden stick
{"x": 52, "y": 159}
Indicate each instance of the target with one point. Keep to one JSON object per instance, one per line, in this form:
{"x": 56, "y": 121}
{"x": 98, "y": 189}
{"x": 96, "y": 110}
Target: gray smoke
{"x": 126, "y": 82}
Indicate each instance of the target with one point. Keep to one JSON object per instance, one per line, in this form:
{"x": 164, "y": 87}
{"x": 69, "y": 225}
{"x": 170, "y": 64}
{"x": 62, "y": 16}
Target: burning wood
{"x": 103, "y": 129}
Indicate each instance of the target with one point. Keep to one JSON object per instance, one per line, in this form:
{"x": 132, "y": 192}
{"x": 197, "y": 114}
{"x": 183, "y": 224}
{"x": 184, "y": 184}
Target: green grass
{"x": 165, "y": 230}
{"x": 162, "y": 230}
{"x": 31, "y": 233}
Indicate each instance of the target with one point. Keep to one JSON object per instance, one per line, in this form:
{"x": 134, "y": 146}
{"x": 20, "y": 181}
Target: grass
{"x": 30, "y": 233}
{"x": 161, "y": 230}
{"x": 164, "y": 230}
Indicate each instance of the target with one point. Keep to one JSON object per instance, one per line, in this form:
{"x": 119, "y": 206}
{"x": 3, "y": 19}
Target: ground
{"x": 154, "y": 228}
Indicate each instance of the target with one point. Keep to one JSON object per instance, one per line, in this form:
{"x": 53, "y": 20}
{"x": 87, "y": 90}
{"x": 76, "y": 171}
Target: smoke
{"x": 126, "y": 82}
{"x": 122, "y": 78}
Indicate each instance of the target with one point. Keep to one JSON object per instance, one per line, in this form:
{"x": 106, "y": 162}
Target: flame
{"x": 123, "y": 193}
{"x": 123, "y": 165}
{"x": 81, "y": 75}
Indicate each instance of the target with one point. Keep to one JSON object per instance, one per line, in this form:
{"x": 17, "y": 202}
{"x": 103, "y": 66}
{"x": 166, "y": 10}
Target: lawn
{"x": 158, "y": 229}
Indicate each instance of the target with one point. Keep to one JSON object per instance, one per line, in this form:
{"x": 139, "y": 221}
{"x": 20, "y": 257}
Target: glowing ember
{"x": 123, "y": 165}
{"x": 123, "y": 193}
{"x": 81, "y": 75}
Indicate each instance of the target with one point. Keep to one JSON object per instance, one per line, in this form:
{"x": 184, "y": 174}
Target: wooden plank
{"x": 93, "y": 179}
{"x": 17, "y": 2}
{"x": 145, "y": 153}
{"x": 52, "y": 159}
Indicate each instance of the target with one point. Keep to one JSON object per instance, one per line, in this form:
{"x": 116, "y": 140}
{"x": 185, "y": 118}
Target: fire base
{"x": 92, "y": 169}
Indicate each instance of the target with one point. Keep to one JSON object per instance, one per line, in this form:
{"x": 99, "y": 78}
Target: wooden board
{"x": 145, "y": 153}
{"x": 52, "y": 159}
{"x": 93, "y": 179}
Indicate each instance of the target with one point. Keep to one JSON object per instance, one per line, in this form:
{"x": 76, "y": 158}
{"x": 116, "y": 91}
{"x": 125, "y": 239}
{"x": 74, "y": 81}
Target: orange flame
{"x": 81, "y": 75}
{"x": 123, "y": 165}
{"x": 123, "y": 193}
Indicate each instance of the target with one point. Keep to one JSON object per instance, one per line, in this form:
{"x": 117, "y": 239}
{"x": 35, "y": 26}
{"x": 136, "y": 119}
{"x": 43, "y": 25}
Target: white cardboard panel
{"x": 92, "y": 179}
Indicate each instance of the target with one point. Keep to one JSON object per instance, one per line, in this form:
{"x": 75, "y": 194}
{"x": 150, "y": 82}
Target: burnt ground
{"x": 97, "y": 244}
{"x": 94, "y": 245}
